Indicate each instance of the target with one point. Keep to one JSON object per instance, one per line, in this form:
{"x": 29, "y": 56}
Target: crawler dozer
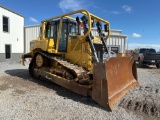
{"x": 75, "y": 60}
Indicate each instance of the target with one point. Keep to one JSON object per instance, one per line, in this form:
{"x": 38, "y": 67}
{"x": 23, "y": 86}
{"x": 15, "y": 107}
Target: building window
{"x": 5, "y": 24}
{"x": 8, "y": 51}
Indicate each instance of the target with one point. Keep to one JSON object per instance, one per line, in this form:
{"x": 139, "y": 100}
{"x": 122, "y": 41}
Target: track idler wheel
{"x": 39, "y": 60}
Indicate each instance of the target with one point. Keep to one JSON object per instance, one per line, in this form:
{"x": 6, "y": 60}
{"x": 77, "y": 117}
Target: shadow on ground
{"x": 65, "y": 93}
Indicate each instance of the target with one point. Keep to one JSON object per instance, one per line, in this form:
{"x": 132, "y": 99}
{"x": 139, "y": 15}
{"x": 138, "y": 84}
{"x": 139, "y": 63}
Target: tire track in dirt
{"x": 149, "y": 89}
{"x": 144, "y": 102}
{"x": 141, "y": 106}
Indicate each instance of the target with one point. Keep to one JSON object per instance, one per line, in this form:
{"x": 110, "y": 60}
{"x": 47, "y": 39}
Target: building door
{"x": 115, "y": 49}
{"x": 8, "y": 51}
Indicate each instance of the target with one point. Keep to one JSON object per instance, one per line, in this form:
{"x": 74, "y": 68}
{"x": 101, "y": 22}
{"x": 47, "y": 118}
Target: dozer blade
{"x": 112, "y": 79}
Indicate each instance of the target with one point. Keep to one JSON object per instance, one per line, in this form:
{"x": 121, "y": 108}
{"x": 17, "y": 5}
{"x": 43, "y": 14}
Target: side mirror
{"x": 106, "y": 28}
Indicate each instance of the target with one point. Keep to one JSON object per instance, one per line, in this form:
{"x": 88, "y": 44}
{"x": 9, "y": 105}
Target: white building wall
{"x": 15, "y": 36}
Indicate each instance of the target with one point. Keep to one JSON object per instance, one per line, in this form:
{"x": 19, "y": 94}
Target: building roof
{"x": 38, "y": 25}
{"x": 125, "y": 36}
{"x": 11, "y": 11}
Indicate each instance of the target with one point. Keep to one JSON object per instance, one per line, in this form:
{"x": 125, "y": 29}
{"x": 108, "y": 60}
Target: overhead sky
{"x": 138, "y": 19}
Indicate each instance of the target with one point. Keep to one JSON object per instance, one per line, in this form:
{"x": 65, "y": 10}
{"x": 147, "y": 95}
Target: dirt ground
{"x": 25, "y": 98}
{"x": 145, "y": 100}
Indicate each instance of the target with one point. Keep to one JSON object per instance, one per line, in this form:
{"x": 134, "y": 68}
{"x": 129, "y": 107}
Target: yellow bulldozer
{"x": 75, "y": 59}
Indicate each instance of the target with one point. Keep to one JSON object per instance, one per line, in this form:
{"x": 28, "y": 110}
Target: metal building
{"x": 116, "y": 42}
{"x": 30, "y": 33}
{"x": 11, "y": 35}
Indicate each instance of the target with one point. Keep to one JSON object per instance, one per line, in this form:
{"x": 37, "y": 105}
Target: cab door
{"x": 63, "y": 38}
{"x": 51, "y": 35}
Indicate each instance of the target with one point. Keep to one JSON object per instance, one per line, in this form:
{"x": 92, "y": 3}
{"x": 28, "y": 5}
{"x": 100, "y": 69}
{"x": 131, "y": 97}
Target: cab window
{"x": 50, "y": 30}
{"x": 72, "y": 29}
{"x": 63, "y": 38}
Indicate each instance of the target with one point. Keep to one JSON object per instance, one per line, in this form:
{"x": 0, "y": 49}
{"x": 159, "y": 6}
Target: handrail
{"x": 89, "y": 15}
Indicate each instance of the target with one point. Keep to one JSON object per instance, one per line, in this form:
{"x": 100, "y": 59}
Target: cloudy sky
{"x": 139, "y": 19}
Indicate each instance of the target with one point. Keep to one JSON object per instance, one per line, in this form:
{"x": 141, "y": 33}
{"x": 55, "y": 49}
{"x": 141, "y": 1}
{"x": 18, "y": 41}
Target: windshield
{"x": 147, "y": 51}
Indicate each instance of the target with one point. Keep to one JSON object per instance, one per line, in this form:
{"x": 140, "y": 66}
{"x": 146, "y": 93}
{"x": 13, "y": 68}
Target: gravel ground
{"x": 25, "y": 98}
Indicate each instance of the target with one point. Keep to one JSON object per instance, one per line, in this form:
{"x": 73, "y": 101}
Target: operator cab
{"x": 68, "y": 28}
